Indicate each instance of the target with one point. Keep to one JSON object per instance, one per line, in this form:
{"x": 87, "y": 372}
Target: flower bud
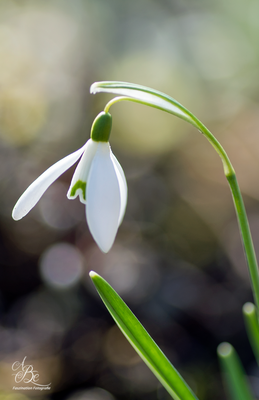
{"x": 101, "y": 128}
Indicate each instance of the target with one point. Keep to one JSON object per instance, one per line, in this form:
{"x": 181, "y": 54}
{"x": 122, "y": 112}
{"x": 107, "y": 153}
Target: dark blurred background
{"x": 177, "y": 260}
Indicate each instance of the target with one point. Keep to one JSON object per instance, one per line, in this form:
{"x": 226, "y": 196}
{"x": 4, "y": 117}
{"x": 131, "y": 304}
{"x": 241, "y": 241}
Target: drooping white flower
{"x": 98, "y": 180}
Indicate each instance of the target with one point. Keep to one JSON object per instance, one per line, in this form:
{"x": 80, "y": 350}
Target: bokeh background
{"x": 177, "y": 260}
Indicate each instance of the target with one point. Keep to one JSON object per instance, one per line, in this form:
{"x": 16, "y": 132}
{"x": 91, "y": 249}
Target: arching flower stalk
{"x": 237, "y": 383}
{"x": 153, "y": 98}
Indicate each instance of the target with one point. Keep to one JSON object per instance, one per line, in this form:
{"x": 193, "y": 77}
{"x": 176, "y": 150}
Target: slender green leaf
{"x": 142, "y": 342}
{"x": 234, "y": 374}
{"x": 252, "y": 327}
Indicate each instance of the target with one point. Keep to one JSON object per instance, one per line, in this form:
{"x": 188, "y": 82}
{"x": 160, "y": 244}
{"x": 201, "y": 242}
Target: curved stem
{"x": 228, "y": 168}
{"x": 228, "y": 171}
{"x": 240, "y": 211}
{"x": 114, "y": 101}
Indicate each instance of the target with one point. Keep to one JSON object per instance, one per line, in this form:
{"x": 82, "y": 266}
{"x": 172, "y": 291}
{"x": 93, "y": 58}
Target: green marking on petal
{"x": 79, "y": 185}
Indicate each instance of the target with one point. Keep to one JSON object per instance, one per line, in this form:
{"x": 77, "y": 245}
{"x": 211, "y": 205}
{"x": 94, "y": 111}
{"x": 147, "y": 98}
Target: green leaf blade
{"x": 142, "y": 341}
{"x": 234, "y": 373}
{"x": 252, "y": 327}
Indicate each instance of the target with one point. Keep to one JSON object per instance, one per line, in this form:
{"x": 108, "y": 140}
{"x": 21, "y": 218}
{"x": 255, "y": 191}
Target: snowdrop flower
{"x": 98, "y": 180}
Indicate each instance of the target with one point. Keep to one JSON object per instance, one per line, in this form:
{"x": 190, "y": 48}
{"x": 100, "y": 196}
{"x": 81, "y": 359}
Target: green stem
{"x": 116, "y": 100}
{"x": 240, "y": 212}
{"x": 246, "y": 235}
{"x": 232, "y": 180}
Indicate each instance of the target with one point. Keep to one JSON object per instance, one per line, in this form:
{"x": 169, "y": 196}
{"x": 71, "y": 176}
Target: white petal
{"x": 123, "y": 187}
{"x": 103, "y": 198}
{"x": 33, "y": 193}
{"x": 142, "y": 93}
{"x": 82, "y": 170}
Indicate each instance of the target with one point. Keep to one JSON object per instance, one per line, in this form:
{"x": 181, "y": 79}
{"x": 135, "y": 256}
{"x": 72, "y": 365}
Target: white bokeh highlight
{"x": 61, "y": 266}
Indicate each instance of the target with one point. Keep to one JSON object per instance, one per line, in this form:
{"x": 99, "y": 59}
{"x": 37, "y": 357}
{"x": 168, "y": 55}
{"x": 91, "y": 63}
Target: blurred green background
{"x": 177, "y": 260}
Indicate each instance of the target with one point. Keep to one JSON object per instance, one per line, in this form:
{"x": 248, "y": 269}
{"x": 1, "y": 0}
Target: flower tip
{"x": 93, "y": 88}
{"x": 92, "y": 274}
{"x": 16, "y": 215}
{"x": 105, "y": 246}
{"x": 98, "y": 87}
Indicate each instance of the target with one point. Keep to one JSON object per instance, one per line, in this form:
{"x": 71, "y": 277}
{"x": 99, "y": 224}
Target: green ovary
{"x": 79, "y": 185}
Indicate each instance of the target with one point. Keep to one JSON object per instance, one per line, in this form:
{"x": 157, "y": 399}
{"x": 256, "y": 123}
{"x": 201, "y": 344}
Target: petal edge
{"x": 34, "y": 192}
{"x": 123, "y": 187}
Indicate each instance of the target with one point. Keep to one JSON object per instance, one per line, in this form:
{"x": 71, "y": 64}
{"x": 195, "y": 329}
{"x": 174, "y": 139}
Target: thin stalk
{"x": 228, "y": 171}
{"x": 246, "y": 236}
{"x": 116, "y": 100}
{"x": 240, "y": 212}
